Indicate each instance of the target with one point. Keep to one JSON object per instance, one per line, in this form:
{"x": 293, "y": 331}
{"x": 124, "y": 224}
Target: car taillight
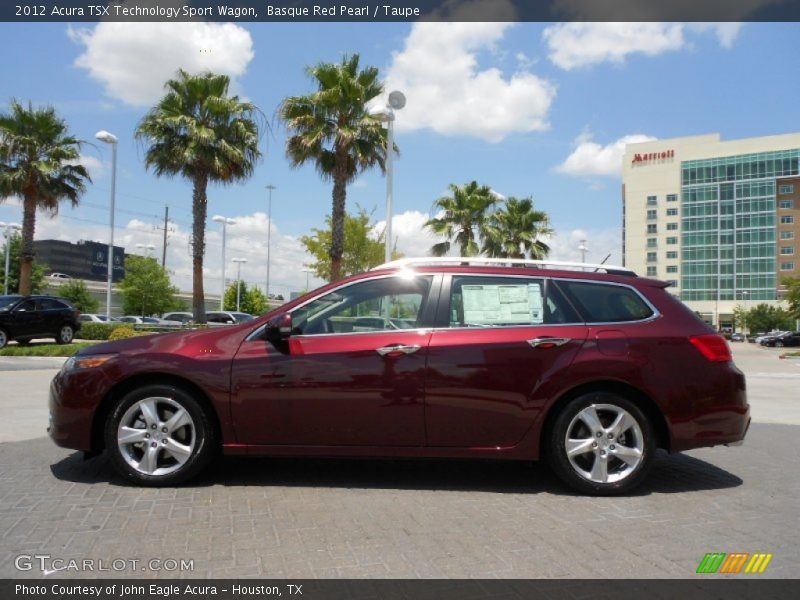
{"x": 713, "y": 347}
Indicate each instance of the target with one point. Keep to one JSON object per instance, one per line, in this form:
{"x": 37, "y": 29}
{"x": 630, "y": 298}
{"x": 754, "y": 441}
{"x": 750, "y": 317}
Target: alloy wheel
{"x": 156, "y": 436}
{"x": 604, "y": 443}
{"x": 65, "y": 335}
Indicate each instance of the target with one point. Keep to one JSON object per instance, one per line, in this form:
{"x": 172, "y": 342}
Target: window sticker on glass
{"x": 503, "y": 304}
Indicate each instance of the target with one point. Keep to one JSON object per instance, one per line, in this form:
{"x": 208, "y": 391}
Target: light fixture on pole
{"x": 270, "y": 187}
{"x": 397, "y": 100}
{"x": 9, "y": 227}
{"x": 238, "y": 262}
{"x": 225, "y": 222}
{"x": 583, "y": 249}
{"x": 110, "y": 138}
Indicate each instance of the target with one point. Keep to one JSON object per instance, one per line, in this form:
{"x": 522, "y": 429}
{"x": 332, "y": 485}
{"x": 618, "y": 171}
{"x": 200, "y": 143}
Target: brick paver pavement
{"x": 367, "y": 518}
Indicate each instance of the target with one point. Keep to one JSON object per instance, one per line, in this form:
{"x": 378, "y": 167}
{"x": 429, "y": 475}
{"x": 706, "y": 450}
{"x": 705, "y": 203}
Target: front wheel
{"x": 65, "y": 334}
{"x": 3, "y": 338}
{"x": 159, "y": 435}
{"x": 601, "y": 443}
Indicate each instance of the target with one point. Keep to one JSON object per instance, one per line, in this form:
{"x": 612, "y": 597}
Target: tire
{"x": 3, "y": 338}
{"x": 582, "y": 472}
{"x": 65, "y": 334}
{"x": 190, "y": 445}
{"x": 779, "y": 344}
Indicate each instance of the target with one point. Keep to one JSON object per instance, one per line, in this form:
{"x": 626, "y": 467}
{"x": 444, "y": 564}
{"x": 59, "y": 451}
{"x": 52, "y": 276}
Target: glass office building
{"x": 719, "y": 219}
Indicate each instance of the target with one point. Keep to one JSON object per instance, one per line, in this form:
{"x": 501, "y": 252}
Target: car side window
{"x": 507, "y": 301}
{"x": 48, "y": 304}
{"x": 387, "y": 304}
{"x": 27, "y": 306}
{"x": 606, "y": 303}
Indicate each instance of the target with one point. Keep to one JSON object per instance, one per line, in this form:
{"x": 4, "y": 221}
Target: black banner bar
{"x": 397, "y": 10}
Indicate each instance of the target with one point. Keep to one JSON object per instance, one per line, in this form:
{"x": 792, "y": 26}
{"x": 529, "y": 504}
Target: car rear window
{"x": 606, "y": 303}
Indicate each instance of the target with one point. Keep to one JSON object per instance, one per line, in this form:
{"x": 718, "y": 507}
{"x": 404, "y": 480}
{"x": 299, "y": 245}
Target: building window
{"x": 652, "y": 256}
{"x": 787, "y": 250}
{"x": 652, "y": 201}
{"x": 672, "y": 269}
{"x": 672, "y": 254}
{"x": 787, "y": 235}
{"x": 786, "y": 204}
{"x": 786, "y": 189}
{"x": 652, "y": 228}
{"x": 787, "y": 266}
{"x": 652, "y": 214}
{"x": 672, "y": 197}
{"x": 651, "y": 271}
{"x": 672, "y": 212}
{"x": 672, "y": 226}
{"x": 652, "y": 242}
{"x": 671, "y": 241}
{"x": 787, "y": 220}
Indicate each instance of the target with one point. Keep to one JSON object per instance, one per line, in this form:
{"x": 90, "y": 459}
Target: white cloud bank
{"x": 133, "y": 60}
{"x": 450, "y": 94}
{"x": 575, "y": 45}
{"x": 590, "y": 158}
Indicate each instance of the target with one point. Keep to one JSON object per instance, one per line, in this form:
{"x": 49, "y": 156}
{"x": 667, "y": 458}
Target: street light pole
{"x": 225, "y": 222}
{"x": 582, "y": 247}
{"x": 110, "y": 138}
{"x": 270, "y": 187}
{"x": 746, "y": 324}
{"x": 9, "y": 227}
{"x": 238, "y": 262}
{"x": 307, "y": 272}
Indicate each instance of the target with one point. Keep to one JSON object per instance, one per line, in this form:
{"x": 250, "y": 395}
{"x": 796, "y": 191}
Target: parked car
{"x": 23, "y": 318}
{"x": 768, "y": 336}
{"x": 182, "y": 317}
{"x": 791, "y": 338}
{"x": 93, "y": 318}
{"x": 59, "y": 276}
{"x": 152, "y": 321}
{"x": 737, "y": 337}
{"x": 227, "y": 318}
{"x": 519, "y": 362}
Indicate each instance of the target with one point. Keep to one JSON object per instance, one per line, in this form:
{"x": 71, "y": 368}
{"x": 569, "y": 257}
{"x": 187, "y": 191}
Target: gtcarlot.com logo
{"x": 734, "y": 563}
{"x": 48, "y": 564}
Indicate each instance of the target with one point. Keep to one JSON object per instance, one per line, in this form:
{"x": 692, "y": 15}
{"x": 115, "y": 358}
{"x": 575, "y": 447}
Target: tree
{"x": 362, "y": 250}
{"x": 146, "y": 289}
{"x": 252, "y": 300}
{"x": 38, "y": 163}
{"x": 740, "y": 317}
{"x": 516, "y": 231}
{"x": 793, "y": 295}
{"x": 38, "y": 271}
{"x": 766, "y": 317}
{"x": 463, "y": 219}
{"x": 78, "y": 294}
{"x": 203, "y": 134}
{"x": 333, "y": 129}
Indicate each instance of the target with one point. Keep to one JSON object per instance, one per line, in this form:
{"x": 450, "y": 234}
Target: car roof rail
{"x": 466, "y": 261}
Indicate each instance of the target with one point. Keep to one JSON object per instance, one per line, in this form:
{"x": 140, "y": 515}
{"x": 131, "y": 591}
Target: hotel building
{"x": 719, "y": 219}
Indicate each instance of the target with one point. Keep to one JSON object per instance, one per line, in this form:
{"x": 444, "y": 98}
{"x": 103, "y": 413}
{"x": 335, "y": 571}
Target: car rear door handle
{"x": 397, "y": 350}
{"x": 548, "y": 342}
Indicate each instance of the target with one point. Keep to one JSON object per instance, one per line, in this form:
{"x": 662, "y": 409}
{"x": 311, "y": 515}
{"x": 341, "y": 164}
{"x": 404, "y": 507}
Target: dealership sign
{"x": 651, "y": 156}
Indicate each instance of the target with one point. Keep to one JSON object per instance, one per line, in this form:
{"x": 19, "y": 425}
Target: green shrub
{"x": 121, "y": 333}
{"x": 97, "y": 331}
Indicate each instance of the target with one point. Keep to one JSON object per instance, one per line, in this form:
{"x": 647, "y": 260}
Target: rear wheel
{"x": 65, "y": 334}
{"x": 159, "y": 435}
{"x": 3, "y": 338}
{"x": 601, "y": 443}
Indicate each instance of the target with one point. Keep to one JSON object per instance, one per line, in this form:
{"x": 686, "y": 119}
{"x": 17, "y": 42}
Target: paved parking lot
{"x": 353, "y": 518}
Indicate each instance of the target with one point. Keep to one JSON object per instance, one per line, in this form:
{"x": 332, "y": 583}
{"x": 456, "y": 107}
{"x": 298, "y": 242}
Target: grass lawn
{"x": 45, "y": 349}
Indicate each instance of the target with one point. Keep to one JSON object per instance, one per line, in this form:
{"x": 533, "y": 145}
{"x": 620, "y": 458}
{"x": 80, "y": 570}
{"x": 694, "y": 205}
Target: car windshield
{"x": 7, "y": 301}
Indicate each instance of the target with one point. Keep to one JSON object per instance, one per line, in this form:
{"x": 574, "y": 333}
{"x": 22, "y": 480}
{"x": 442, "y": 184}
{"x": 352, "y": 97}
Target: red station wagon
{"x": 587, "y": 366}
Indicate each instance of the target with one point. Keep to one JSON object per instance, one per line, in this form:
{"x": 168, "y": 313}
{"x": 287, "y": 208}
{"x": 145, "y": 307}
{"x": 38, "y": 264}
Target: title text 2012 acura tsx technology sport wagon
{"x": 587, "y": 366}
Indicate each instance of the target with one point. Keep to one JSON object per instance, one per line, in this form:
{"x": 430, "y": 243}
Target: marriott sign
{"x": 651, "y": 156}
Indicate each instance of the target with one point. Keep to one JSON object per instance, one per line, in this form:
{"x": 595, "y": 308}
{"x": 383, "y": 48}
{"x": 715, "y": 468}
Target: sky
{"x": 530, "y": 109}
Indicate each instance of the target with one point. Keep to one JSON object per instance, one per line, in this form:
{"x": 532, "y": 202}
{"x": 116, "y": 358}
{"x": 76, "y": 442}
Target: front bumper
{"x": 74, "y": 398}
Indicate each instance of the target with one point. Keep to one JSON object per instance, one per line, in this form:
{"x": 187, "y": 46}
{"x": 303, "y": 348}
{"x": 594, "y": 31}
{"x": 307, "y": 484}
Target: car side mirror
{"x": 279, "y": 329}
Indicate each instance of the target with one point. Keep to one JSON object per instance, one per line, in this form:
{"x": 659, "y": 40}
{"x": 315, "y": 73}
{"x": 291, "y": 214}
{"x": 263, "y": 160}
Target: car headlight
{"x": 86, "y": 361}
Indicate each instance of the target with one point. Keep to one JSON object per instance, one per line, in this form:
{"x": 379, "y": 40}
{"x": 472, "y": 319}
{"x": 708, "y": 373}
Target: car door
{"x": 352, "y": 373}
{"x": 53, "y": 314}
{"x": 27, "y": 319}
{"x": 498, "y": 341}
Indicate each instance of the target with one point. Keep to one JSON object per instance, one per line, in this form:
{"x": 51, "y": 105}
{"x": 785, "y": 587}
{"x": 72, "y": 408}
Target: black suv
{"x": 23, "y": 318}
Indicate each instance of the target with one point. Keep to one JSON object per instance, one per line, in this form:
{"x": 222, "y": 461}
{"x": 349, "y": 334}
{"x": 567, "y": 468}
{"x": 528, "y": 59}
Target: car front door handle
{"x": 548, "y": 342}
{"x": 397, "y": 350}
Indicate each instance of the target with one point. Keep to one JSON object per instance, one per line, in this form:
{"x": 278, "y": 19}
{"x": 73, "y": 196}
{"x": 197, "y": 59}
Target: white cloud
{"x": 575, "y": 45}
{"x": 590, "y": 158}
{"x": 409, "y": 233}
{"x": 448, "y": 92}
{"x": 134, "y": 60}
{"x": 93, "y": 165}
{"x": 600, "y": 243}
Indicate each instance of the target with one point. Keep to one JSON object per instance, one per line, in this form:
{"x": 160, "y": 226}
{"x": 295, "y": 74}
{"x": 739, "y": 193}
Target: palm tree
{"x": 332, "y": 128}
{"x": 201, "y": 133}
{"x": 38, "y": 162}
{"x": 463, "y": 218}
{"x": 516, "y": 231}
